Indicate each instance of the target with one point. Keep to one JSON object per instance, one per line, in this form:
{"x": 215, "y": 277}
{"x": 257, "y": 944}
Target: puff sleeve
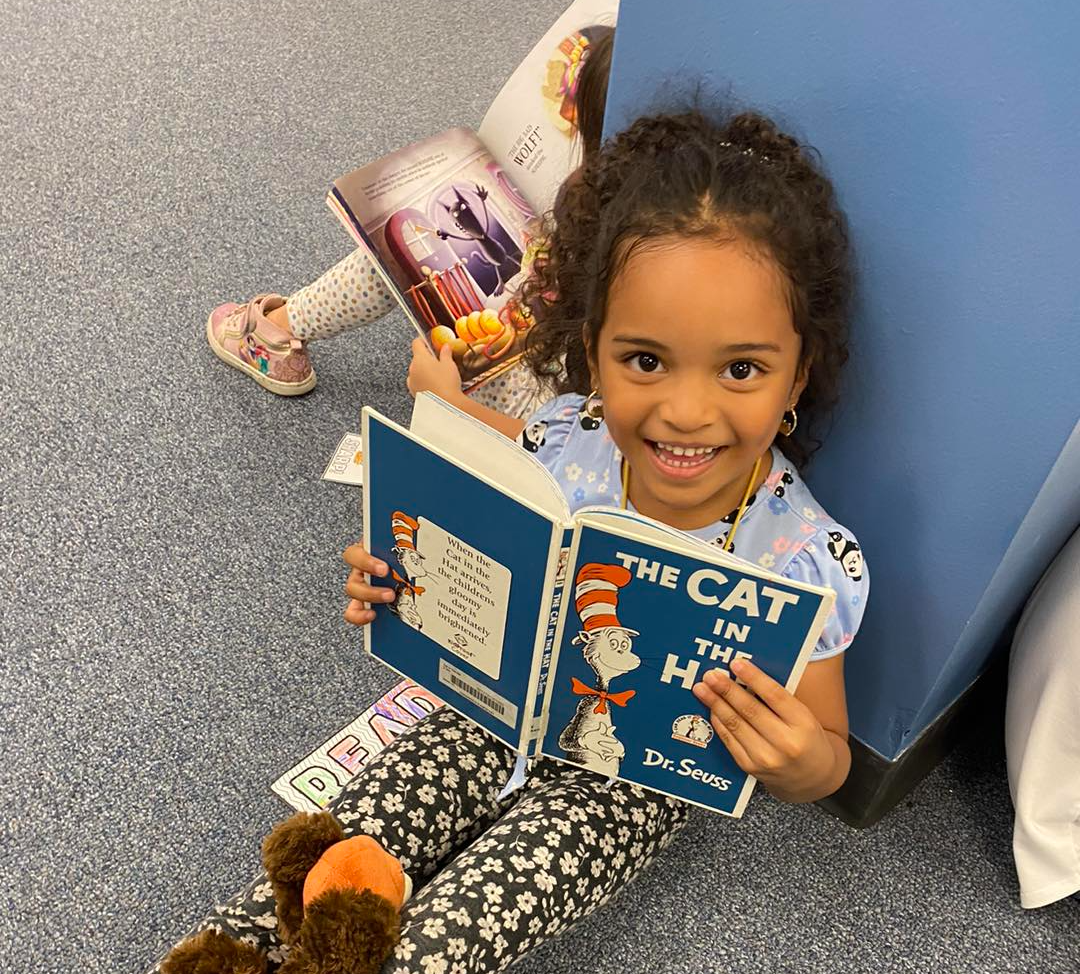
{"x": 834, "y": 559}
{"x": 547, "y": 431}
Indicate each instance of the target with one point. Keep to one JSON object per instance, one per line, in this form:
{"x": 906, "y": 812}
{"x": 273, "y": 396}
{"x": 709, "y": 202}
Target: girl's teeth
{"x": 683, "y": 451}
{"x": 695, "y": 455}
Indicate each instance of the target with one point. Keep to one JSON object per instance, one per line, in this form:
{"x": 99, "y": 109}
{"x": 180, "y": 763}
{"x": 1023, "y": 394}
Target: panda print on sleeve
{"x": 533, "y": 436}
{"x": 587, "y": 420}
{"x": 848, "y": 553}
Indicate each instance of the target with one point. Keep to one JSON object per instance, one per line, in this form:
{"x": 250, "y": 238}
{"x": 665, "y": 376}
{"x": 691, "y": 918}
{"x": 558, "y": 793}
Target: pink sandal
{"x": 242, "y": 336}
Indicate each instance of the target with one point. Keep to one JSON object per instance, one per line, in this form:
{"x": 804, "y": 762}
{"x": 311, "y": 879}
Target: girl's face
{"x": 696, "y": 362}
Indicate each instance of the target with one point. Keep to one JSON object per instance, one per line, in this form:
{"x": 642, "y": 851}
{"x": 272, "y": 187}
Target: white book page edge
{"x": 488, "y": 454}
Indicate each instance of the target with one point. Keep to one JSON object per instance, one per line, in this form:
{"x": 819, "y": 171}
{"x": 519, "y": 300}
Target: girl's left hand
{"x": 430, "y": 374}
{"x": 769, "y": 733}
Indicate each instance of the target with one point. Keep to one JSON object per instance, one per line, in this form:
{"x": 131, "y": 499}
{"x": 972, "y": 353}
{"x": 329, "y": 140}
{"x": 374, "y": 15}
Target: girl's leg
{"x": 564, "y": 849}
{"x": 265, "y": 337}
{"x": 258, "y": 337}
{"x": 347, "y": 296}
{"x": 515, "y": 392}
{"x": 427, "y": 795}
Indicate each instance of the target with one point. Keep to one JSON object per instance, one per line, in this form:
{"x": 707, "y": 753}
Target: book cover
{"x": 470, "y": 566}
{"x": 643, "y": 624}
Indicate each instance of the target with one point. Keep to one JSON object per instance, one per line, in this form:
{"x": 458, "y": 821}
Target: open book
{"x": 575, "y": 636}
{"x": 452, "y": 221}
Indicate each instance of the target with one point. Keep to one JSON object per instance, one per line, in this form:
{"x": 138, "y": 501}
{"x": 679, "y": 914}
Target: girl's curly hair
{"x": 685, "y": 175}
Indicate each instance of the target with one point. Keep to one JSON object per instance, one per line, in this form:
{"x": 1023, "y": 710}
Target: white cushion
{"x": 1042, "y": 734}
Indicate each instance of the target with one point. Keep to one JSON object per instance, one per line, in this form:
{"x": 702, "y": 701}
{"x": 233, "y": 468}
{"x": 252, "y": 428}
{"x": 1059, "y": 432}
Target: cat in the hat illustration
{"x": 608, "y": 647}
{"x": 412, "y": 567}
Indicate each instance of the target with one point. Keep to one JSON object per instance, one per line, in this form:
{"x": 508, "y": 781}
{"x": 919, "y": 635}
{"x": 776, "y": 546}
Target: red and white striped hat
{"x": 404, "y": 528}
{"x": 596, "y": 596}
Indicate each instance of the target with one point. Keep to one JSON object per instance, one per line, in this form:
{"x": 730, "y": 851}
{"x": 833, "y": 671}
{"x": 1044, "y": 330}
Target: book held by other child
{"x": 452, "y": 222}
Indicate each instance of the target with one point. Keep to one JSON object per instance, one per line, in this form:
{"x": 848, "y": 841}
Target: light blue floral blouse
{"x": 784, "y": 529}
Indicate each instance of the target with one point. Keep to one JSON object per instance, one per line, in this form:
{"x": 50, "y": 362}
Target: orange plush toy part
{"x": 357, "y": 863}
{"x": 338, "y": 906}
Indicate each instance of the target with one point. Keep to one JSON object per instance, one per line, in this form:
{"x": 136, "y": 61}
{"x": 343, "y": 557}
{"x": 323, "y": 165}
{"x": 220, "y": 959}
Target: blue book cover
{"x": 641, "y": 625}
{"x": 578, "y": 637}
{"x": 474, "y": 569}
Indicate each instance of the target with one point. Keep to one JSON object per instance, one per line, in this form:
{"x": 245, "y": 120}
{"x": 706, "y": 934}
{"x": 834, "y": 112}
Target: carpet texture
{"x": 170, "y": 565}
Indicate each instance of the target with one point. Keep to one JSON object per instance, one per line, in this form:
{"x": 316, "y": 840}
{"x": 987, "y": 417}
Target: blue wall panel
{"x": 953, "y": 134}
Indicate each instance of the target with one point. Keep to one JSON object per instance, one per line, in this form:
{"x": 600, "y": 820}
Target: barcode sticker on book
{"x": 497, "y": 706}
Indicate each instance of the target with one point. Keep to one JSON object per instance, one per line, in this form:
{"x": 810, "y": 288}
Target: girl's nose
{"x": 689, "y": 406}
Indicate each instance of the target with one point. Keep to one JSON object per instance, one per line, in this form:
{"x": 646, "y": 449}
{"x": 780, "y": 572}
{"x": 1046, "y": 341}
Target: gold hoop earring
{"x": 787, "y": 426}
{"x": 594, "y": 406}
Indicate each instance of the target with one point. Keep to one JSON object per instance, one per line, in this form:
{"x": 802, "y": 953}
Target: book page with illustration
{"x": 454, "y": 240}
{"x": 531, "y": 126}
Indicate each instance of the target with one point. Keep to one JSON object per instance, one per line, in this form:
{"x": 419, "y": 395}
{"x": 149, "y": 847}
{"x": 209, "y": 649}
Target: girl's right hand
{"x": 439, "y": 373}
{"x": 360, "y": 593}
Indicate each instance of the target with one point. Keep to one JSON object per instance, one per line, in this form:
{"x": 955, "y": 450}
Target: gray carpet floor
{"x": 171, "y": 579}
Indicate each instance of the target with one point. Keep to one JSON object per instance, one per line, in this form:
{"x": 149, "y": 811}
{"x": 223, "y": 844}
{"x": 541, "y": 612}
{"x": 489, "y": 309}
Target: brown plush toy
{"x": 338, "y": 906}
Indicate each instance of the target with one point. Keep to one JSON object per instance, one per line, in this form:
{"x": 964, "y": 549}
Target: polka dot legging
{"x": 352, "y": 294}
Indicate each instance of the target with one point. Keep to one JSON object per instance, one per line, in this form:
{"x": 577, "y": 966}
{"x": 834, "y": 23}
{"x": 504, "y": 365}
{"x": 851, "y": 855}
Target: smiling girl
{"x": 696, "y": 293}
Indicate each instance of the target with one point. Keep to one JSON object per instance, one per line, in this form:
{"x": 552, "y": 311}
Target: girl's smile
{"x": 695, "y": 362}
{"x": 682, "y": 460}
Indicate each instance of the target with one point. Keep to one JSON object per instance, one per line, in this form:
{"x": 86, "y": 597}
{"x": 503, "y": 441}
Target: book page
{"x": 531, "y": 124}
{"x": 455, "y": 239}
{"x": 489, "y": 453}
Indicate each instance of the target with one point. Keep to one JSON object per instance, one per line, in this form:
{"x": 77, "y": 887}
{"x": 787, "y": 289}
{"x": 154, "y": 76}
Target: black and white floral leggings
{"x": 493, "y": 879}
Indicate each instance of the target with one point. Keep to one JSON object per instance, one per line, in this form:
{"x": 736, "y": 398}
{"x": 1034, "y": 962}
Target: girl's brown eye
{"x": 646, "y": 362}
{"x": 741, "y": 371}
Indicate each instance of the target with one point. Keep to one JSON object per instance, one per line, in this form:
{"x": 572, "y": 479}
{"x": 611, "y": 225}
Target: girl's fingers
{"x": 750, "y": 750}
{"x": 779, "y": 701}
{"x": 357, "y": 588}
{"x": 358, "y": 614}
{"x": 361, "y": 594}
{"x": 747, "y": 706}
{"x": 357, "y": 556}
{"x": 731, "y": 742}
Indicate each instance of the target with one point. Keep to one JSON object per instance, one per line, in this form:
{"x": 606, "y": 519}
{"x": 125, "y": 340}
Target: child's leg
{"x": 515, "y": 392}
{"x": 347, "y": 296}
{"x": 427, "y": 795}
{"x": 564, "y": 849}
{"x": 265, "y": 337}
